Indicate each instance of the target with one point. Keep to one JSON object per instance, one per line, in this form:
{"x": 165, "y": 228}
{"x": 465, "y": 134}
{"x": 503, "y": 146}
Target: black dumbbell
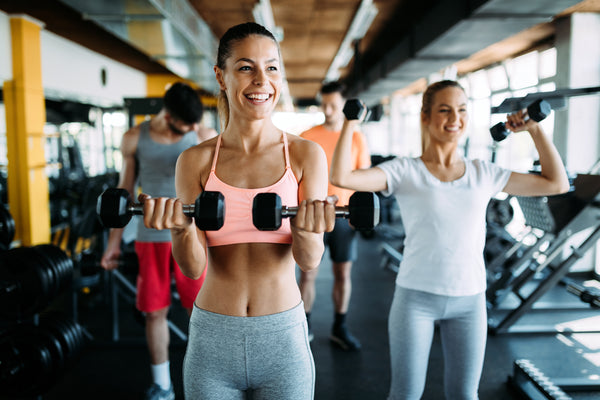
{"x": 537, "y": 111}
{"x": 355, "y": 109}
{"x": 115, "y": 209}
{"x": 362, "y": 211}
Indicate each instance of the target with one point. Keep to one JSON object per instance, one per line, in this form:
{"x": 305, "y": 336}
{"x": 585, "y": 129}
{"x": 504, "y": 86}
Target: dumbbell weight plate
{"x": 66, "y": 331}
{"x": 539, "y": 110}
{"x": 209, "y": 211}
{"x": 27, "y": 363}
{"x": 112, "y": 208}
{"x": 31, "y": 277}
{"x": 354, "y": 109}
{"x": 30, "y": 283}
{"x": 364, "y": 211}
{"x": 266, "y": 211}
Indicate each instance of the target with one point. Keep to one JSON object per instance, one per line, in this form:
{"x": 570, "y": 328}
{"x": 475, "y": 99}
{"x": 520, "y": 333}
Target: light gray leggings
{"x": 463, "y": 329}
{"x": 265, "y": 357}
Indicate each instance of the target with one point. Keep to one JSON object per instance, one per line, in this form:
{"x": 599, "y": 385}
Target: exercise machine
{"x": 551, "y": 222}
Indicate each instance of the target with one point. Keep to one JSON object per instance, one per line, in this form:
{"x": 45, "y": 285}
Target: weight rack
{"x": 559, "y": 218}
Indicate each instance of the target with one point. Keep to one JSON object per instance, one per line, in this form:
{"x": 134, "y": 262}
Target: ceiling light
{"x": 358, "y": 28}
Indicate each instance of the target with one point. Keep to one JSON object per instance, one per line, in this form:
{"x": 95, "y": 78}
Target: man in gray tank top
{"x": 150, "y": 151}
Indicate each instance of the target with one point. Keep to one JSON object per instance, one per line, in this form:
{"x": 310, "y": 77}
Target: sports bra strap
{"x": 214, "y": 163}
{"x": 286, "y": 152}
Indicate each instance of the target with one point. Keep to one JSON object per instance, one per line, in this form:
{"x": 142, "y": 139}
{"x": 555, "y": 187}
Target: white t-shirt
{"x": 444, "y": 224}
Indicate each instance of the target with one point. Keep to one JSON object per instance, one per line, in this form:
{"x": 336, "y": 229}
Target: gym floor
{"x": 120, "y": 370}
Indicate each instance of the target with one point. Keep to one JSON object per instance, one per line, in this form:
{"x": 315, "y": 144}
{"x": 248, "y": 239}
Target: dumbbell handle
{"x": 138, "y": 209}
{"x": 340, "y": 212}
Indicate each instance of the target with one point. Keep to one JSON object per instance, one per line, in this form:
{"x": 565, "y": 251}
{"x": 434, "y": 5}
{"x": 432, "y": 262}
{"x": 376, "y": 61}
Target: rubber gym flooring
{"x": 120, "y": 370}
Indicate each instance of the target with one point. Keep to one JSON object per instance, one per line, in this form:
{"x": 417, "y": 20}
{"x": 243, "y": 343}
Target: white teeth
{"x": 257, "y": 96}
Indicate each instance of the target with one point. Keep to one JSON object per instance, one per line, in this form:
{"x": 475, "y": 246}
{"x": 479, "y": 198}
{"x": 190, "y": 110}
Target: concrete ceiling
{"x": 405, "y": 43}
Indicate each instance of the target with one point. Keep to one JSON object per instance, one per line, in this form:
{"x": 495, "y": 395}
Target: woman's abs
{"x": 250, "y": 279}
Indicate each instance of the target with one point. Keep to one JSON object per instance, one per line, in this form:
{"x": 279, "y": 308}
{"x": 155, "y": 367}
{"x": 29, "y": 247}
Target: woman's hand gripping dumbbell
{"x": 115, "y": 209}
{"x": 515, "y": 122}
{"x": 362, "y": 211}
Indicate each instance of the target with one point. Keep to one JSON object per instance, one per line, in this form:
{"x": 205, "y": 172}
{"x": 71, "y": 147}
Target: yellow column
{"x": 25, "y": 118}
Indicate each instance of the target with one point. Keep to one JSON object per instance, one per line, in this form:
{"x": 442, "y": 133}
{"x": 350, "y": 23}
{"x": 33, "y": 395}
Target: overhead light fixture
{"x": 358, "y": 28}
{"x": 190, "y": 25}
{"x": 263, "y": 14}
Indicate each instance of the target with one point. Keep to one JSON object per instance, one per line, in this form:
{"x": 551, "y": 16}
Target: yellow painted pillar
{"x": 28, "y": 196}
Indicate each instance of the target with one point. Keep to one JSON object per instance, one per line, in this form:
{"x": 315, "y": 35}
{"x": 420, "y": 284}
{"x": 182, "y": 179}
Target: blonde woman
{"x": 443, "y": 199}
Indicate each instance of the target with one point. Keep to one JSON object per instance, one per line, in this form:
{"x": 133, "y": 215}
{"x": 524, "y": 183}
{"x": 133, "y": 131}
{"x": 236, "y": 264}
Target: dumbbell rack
{"x": 37, "y": 344}
{"x": 559, "y": 218}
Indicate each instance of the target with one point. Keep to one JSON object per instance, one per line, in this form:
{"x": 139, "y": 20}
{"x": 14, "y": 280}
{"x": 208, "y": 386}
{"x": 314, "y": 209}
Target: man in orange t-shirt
{"x": 342, "y": 240}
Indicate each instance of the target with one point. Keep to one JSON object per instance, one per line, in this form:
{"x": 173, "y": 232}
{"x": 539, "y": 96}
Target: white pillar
{"x": 577, "y": 128}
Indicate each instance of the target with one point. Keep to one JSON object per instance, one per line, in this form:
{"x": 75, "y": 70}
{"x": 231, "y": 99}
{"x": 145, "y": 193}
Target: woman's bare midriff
{"x": 249, "y": 279}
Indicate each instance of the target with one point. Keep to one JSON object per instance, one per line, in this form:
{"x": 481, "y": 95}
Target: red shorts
{"x": 156, "y": 264}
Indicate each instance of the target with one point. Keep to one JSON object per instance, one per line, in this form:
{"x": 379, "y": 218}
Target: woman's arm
{"x": 315, "y": 215}
{"x": 553, "y": 178}
{"x": 189, "y": 243}
{"x": 371, "y": 179}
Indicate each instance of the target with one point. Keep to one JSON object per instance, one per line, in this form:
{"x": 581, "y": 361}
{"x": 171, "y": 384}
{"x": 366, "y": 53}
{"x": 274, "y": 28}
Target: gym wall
{"x": 72, "y": 72}
{"x": 62, "y": 58}
{"x": 5, "y": 49}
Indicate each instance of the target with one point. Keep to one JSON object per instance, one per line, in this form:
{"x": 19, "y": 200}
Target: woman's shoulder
{"x": 305, "y": 154}
{"x": 200, "y": 152}
{"x": 300, "y": 145}
{"x": 483, "y": 165}
{"x": 399, "y": 161}
{"x": 486, "y": 170}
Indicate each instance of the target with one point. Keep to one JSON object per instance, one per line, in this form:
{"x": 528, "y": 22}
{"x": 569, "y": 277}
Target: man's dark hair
{"x": 333, "y": 87}
{"x": 183, "y": 103}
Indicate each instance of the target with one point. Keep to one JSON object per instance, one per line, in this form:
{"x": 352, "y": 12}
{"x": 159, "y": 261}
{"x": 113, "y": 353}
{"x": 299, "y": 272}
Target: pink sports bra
{"x": 238, "y": 226}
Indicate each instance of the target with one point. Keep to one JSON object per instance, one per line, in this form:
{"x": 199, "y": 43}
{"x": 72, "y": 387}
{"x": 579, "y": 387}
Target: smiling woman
{"x": 258, "y": 81}
{"x": 443, "y": 199}
{"x": 248, "y": 331}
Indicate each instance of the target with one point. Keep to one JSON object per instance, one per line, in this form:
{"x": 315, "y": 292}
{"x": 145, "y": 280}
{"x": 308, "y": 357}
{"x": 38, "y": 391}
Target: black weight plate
{"x": 26, "y": 355}
{"x": 24, "y": 268}
{"x": 7, "y": 227}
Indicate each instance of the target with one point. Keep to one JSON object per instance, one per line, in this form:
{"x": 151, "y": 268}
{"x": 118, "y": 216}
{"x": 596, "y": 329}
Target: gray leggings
{"x": 463, "y": 329}
{"x": 265, "y": 357}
